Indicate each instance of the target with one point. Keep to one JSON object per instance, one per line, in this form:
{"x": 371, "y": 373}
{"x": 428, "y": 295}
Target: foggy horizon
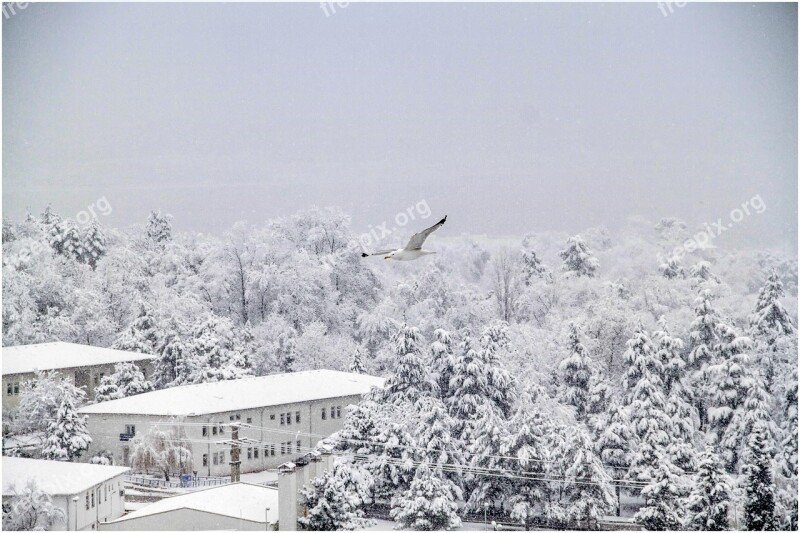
{"x": 507, "y": 118}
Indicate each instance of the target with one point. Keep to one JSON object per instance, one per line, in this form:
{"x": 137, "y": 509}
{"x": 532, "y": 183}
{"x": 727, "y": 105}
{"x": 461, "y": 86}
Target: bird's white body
{"x": 402, "y": 254}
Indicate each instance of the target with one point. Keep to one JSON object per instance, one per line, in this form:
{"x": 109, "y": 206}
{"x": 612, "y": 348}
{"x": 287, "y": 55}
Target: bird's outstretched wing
{"x": 379, "y": 252}
{"x": 416, "y": 240}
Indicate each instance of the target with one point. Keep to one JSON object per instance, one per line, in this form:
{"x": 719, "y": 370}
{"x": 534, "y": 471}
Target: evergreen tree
{"x": 759, "y": 507}
{"x": 710, "y": 497}
{"x": 613, "y": 442}
{"x": 789, "y": 427}
{"x": 600, "y": 394}
{"x": 730, "y": 383}
{"x": 468, "y": 374}
{"x": 485, "y": 442}
{"x": 409, "y": 379}
{"x": 107, "y": 390}
{"x": 172, "y": 366}
{"x": 434, "y": 431}
{"x": 500, "y": 388}
{"x": 671, "y": 268}
{"x": 578, "y": 259}
{"x": 94, "y": 245}
{"x": 532, "y": 268}
{"x": 215, "y": 349}
{"x": 769, "y": 319}
{"x": 443, "y": 363}
{"x": 701, "y": 274}
{"x": 587, "y": 487}
{"x": 357, "y": 364}
{"x": 703, "y": 334}
{"x": 142, "y": 335}
{"x": 663, "y": 500}
{"x": 332, "y": 502}
{"x": 429, "y": 504}
{"x": 576, "y": 373}
{"x": 129, "y": 380}
{"x": 67, "y": 437}
{"x": 159, "y": 228}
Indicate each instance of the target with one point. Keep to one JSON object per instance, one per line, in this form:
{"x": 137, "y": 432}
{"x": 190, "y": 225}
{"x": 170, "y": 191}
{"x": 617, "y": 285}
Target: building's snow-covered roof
{"x": 55, "y": 477}
{"x": 238, "y": 500}
{"x": 240, "y": 394}
{"x": 57, "y": 355}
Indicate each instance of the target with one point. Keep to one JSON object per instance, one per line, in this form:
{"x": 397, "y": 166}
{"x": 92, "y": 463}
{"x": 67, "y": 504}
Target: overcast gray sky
{"x": 509, "y": 118}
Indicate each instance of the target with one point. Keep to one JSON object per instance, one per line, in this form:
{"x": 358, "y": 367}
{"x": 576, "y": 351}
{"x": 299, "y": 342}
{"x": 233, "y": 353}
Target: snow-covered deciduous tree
{"x": 759, "y": 507}
{"x": 40, "y": 400}
{"x": 663, "y": 500}
{"x": 164, "y": 451}
{"x": 429, "y": 504}
{"x": 578, "y": 259}
{"x": 30, "y": 509}
{"x": 67, "y": 437}
{"x": 576, "y": 371}
{"x": 710, "y": 496}
{"x": 334, "y": 499}
{"x": 587, "y": 490}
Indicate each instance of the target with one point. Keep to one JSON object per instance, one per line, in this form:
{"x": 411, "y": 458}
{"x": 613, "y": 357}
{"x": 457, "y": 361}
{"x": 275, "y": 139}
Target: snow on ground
{"x": 266, "y": 476}
{"x": 388, "y": 525}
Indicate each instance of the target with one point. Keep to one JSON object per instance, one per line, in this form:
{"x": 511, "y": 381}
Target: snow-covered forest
{"x": 537, "y": 378}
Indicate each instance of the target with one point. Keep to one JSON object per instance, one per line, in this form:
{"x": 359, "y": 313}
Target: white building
{"x": 285, "y": 415}
{"x": 89, "y": 494}
{"x": 233, "y": 507}
{"x": 81, "y": 363}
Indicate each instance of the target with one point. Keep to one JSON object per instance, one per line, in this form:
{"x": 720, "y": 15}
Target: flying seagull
{"x": 413, "y": 249}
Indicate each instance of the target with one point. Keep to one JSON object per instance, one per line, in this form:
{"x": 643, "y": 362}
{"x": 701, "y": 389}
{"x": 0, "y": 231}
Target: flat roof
{"x": 57, "y": 355}
{"x": 237, "y": 500}
{"x": 240, "y": 394}
{"x": 55, "y": 477}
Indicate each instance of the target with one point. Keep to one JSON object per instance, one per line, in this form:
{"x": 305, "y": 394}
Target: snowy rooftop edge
{"x": 28, "y": 358}
{"x": 238, "y": 500}
{"x": 240, "y": 394}
{"x": 56, "y": 477}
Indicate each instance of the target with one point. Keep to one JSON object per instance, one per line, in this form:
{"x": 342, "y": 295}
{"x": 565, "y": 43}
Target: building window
{"x": 232, "y": 419}
{"x": 283, "y": 448}
{"x": 216, "y": 459}
{"x": 9, "y": 389}
{"x": 205, "y": 459}
{"x": 289, "y": 418}
{"x": 87, "y": 501}
{"x": 324, "y": 413}
{"x": 255, "y": 453}
{"x": 214, "y": 430}
{"x": 130, "y": 430}
{"x": 297, "y": 416}
{"x": 222, "y": 458}
{"x": 272, "y": 416}
{"x": 283, "y": 419}
{"x": 249, "y": 453}
{"x": 92, "y": 498}
{"x": 338, "y": 411}
{"x": 272, "y": 450}
{"x": 249, "y": 420}
{"x": 221, "y": 429}
{"x": 298, "y": 446}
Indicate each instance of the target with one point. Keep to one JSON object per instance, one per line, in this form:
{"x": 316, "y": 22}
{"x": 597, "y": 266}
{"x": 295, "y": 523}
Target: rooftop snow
{"x": 57, "y": 355}
{"x": 238, "y": 500}
{"x": 55, "y": 477}
{"x": 240, "y": 394}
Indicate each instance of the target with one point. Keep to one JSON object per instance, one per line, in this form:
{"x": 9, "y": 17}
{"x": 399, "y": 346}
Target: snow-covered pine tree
{"x": 701, "y": 274}
{"x": 710, "y": 496}
{"x": 130, "y": 379}
{"x": 754, "y": 411}
{"x": 214, "y": 346}
{"x": 587, "y": 491}
{"x": 600, "y": 395}
{"x": 468, "y": 373}
{"x": 789, "y": 429}
{"x": 429, "y": 503}
{"x": 332, "y": 503}
{"x": 759, "y": 507}
{"x": 728, "y": 388}
{"x": 409, "y": 380}
{"x": 142, "y": 335}
{"x": 67, "y": 437}
{"x": 171, "y": 367}
{"x": 500, "y": 388}
{"x": 703, "y": 334}
{"x": 576, "y": 372}
{"x": 434, "y": 432}
{"x": 484, "y": 442}
{"x": 357, "y": 364}
{"x": 94, "y": 245}
{"x": 663, "y": 500}
{"x": 671, "y": 268}
{"x": 443, "y": 363}
{"x": 159, "y": 228}
{"x": 578, "y": 259}
{"x": 614, "y": 440}
{"x": 532, "y": 268}
{"x": 773, "y": 331}
{"x": 669, "y": 351}
{"x": 107, "y": 390}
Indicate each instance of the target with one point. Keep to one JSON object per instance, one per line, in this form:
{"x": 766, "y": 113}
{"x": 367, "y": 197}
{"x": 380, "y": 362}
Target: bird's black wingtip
{"x": 364, "y": 255}
{"x": 443, "y": 220}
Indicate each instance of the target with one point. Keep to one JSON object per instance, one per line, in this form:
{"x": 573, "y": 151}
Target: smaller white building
{"x": 89, "y": 494}
{"x": 233, "y": 507}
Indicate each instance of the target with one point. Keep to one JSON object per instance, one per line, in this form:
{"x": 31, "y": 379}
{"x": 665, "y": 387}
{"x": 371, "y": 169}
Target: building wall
{"x": 109, "y": 504}
{"x": 275, "y": 444}
{"x": 185, "y": 520}
{"x": 87, "y": 377}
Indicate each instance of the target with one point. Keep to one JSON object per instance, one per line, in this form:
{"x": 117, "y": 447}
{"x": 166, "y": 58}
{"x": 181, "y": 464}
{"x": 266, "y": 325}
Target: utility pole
{"x": 235, "y": 443}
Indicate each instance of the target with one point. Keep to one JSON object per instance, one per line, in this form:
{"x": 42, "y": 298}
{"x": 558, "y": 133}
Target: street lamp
{"x": 266, "y": 520}
{"x": 75, "y": 500}
{"x": 485, "y": 508}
